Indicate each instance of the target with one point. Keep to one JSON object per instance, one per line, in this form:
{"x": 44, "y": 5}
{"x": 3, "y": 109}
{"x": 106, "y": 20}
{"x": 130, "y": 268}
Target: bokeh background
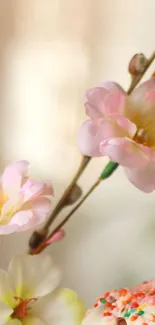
{"x": 50, "y": 52}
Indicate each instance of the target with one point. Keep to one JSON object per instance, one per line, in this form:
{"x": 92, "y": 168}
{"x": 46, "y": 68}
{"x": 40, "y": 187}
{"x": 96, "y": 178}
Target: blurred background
{"x": 50, "y": 52}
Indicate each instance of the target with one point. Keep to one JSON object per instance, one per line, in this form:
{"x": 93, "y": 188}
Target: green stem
{"x": 107, "y": 172}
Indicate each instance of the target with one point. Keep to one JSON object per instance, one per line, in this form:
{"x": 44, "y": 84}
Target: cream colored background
{"x": 51, "y": 50}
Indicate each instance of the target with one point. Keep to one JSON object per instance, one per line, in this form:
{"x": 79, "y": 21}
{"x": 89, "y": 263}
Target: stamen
{"x": 20, "y": 312}
{"x": 141, "y": 137}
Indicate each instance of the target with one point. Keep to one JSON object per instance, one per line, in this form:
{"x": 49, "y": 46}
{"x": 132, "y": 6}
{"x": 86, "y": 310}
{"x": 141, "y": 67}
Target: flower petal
{"x": 108, "y": 98}
{"x": 10, "y": 207}
{"x": 124, "y": 151}
{"x": 5, "y": 312}
{"x": 112, "y": 86}
{"x": 6, "y": 293}
{"x": 13, "y": 322}
{"x": 41, "y": 207}
{"x": 33, "y": 321}
{"x": 8, "y": 229}
{"x": 92, "y": 133}
{"x": 21, "y": 218}
{"x": 144, "y": 178}
{"x": 94, "y": 102}
{"x": 61, "y": 307}
{"x": 88, "y": 142}
{"x": 31, "y": 189}
{"x": 128, "y": 127}
{"x": 13, "y": 176}
{"x": 33, "y": 276}
{"x": 143, "y": 91}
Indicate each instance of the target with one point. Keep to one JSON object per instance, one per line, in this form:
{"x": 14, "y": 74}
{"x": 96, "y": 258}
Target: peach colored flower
{"x": 122, "y": 127}
{"x": 23, "y": 204}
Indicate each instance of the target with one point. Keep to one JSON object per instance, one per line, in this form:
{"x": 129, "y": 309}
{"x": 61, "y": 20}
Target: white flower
{"x": 28, "y": 294}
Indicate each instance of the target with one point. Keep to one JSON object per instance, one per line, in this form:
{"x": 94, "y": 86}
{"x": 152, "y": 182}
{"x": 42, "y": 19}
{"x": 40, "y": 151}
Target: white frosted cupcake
{"x": 134, "y": 306}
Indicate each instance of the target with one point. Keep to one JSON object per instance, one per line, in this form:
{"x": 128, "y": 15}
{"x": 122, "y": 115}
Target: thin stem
{"x": 62, "y": 223}
{"x": 38, "y": 236}
{"x": 61, "y": 203}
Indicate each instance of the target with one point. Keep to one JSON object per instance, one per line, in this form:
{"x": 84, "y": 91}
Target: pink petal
{"x": 112, "y": 86}
{"x": 22, "y": 218}
{"x": 41, "y": 207}
{"x": 22, "y": 166}
{"x": 88, "y": 142}
{"x": 8, "y": 229}
{"x": 126, "y": 124}
{"x": 101, "y": 101}
{"x": 94, "y": 103}
{"x": 13, "y": 176}
{"x": 142, "y": 92}
{"x": 151, "y": 96}
{"x": 91, "y": 134}
{"x": 31, "y": 189}
{"x": 114, "y": 103}
{"x": 143, "y": 178}
{"x": 124, "y": 151}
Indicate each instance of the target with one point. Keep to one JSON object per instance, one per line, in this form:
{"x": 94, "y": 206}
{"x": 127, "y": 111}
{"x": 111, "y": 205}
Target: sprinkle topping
{"x": 129, "y": 304}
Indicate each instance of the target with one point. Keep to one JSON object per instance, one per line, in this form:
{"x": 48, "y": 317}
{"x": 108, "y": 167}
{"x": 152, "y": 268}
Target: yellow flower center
{"x": 20, "y": 311}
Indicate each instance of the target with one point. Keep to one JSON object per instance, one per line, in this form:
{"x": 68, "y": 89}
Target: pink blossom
{"x": 23, "y": 204}
{"x": 122, "y": 127}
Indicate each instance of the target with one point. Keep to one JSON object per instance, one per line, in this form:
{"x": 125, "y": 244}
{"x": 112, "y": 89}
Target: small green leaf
{"x": 109, "y": 169}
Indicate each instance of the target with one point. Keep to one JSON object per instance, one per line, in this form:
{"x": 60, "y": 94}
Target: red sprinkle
{"x": 134, "y": 304}
{"x": 123, "y": 292}
{"x": 108, "y": 314}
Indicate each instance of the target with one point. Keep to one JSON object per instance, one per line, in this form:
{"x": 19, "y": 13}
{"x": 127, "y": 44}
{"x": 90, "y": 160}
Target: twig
{"x": 38, "y": 236}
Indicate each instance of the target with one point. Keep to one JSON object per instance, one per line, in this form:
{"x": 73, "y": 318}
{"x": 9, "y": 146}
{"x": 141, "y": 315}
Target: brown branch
{"x": 38, "y": 236}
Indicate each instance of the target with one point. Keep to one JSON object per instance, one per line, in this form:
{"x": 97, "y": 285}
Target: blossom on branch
{"x": 28, "y": 294}
{"x": 122, "y": 127}
{"x": 23, "y": 204}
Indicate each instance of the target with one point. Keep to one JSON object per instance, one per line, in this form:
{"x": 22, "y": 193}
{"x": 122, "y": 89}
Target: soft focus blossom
{"x": 23, "y": 204}
{"x": 28, "y": 294}
{"x": 123, "y": 128}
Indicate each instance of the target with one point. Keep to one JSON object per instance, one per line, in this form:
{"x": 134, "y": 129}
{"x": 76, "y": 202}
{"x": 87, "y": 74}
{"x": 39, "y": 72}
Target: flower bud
{"x": 74, "y": 195}
{"x": 37, "y": 238}
{"x": 137, "y": 64}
